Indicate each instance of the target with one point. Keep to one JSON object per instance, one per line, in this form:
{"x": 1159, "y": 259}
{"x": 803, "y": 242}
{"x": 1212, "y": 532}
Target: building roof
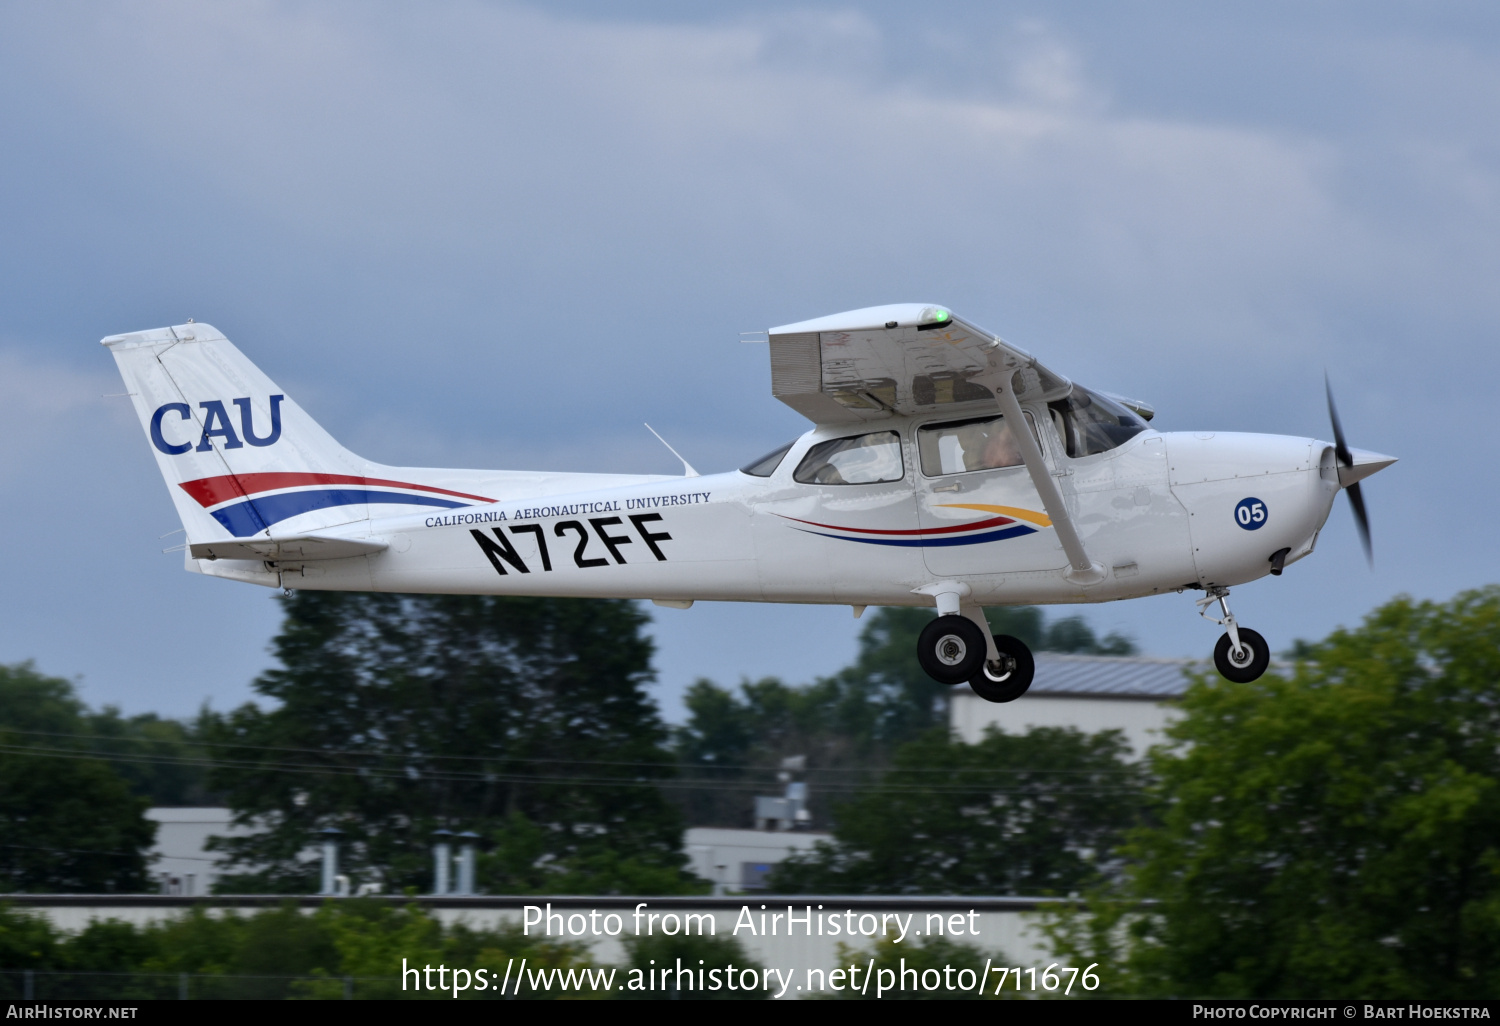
{"x": 1111, "y": 676}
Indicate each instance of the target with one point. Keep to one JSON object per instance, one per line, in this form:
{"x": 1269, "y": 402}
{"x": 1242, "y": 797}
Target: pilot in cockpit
{"x": 987, "y": 444}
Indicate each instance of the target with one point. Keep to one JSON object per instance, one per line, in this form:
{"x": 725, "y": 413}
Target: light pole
{"x": 330, "y": 837}
{"x": 442, "y": 860}
{"x": 466, "y": 855}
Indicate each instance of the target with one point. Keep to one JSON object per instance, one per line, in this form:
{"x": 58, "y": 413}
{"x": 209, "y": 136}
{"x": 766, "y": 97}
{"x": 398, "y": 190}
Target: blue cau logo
{"x": 215, "y": 425}
{"x": 1250, "y": 514}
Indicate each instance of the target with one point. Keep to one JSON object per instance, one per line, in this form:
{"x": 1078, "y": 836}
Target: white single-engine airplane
{"x": 946, "y": 468}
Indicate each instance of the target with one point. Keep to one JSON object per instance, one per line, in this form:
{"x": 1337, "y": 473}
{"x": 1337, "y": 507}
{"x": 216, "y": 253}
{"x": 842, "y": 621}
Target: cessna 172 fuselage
{"x": 915, "y": 488}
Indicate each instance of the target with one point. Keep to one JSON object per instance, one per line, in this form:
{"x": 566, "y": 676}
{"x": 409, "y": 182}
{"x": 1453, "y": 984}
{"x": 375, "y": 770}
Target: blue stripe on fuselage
{"x": 927, "y": 543}
{"x": 254, "y": 515}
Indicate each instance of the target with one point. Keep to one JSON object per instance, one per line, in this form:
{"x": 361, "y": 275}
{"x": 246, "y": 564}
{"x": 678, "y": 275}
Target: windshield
{"x": 1088, "y": 423}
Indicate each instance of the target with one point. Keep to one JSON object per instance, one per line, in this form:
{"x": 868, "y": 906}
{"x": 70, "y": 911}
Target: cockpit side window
{"x": 1089, "y": 423}
{"x": 767, "y": 464}
{"x": 862, "y": 459}
{"x": 964, "y": 446}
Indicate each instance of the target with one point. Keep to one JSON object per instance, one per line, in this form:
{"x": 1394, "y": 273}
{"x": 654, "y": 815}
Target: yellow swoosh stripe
{"x": 1040, "y": 519}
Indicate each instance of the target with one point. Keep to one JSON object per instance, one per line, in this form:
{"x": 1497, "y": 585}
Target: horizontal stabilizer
{"x": 299, "y": 548}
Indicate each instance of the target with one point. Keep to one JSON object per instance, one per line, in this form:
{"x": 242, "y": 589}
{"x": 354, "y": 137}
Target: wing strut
{"x": 1081, "y": 569}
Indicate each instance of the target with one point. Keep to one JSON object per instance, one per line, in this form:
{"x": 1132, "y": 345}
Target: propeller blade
{"x": 1346, "y": 458}
{"x": 1340, "y": 447}
{"x": 1362, "y": 520}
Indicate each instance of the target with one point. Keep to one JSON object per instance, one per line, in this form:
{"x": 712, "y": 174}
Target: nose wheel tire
{"x": 1009, "y": 680}
{"x": 951, "y": 649}
{"x": 1245, "y": 665}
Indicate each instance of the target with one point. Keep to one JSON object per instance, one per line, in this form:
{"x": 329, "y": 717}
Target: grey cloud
{"x": 484, "y": 232}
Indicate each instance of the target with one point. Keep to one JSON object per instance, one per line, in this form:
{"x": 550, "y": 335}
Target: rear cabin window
{"x": 767, "y": 464}
{"x": 862, "y": 459}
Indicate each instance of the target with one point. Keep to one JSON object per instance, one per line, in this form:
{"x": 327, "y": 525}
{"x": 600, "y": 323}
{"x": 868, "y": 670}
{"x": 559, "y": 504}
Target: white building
{"x": 734, "y": 860}
{"x": 180, "y": 862}
{"x": 1136, "y": 694}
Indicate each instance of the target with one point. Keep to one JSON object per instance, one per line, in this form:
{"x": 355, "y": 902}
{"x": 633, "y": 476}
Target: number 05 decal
{"x": 1250, "y": 514}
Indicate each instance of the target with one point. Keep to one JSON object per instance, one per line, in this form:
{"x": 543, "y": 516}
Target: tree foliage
{"x": 925, "y": 969}
{"x": 68, "y": 820}
{"x": 257, "y": 952}
{"x": 1334, "y": 832}
{"x": 155, "y": 757}
{"x": 1070, "y": 635}
{"x": 650, "y": 953}
{"x": 847, "y": 725}
{"x": 68, "y": 826}
{"x": 523, "y": 720}
{"x": 1034, "y": 813}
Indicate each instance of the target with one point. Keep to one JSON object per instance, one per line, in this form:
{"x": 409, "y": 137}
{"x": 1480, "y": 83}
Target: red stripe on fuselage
{"x": 209, "y": 491}
{"x": 994, "y": 522}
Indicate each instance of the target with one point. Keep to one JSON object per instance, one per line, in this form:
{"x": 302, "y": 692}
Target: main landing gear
{"x": 952, "y": 650}
{"x": 1241, "y": 654}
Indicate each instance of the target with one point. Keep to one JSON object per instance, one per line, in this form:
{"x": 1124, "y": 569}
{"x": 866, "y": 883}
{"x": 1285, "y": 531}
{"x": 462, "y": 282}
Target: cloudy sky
{"x": 505, "y": 234}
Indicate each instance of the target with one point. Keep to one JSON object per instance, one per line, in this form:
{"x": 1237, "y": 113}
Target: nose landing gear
{"x": 1241, "y": 654}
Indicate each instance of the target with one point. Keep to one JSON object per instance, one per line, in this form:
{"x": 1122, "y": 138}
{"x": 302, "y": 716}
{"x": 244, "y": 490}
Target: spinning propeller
{"x": 1354, "y": 466}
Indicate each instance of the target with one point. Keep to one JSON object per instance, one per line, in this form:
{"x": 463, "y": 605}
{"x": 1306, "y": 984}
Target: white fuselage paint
{"x": 1158, "y": 513}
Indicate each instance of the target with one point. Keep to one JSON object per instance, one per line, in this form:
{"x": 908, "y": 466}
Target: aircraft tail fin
{"x": 241, "y": 459}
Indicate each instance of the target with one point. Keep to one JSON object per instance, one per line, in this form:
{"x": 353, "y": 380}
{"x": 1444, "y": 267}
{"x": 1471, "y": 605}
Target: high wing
{"x": 884, "y": 361}
{"x": 906, "y": 358}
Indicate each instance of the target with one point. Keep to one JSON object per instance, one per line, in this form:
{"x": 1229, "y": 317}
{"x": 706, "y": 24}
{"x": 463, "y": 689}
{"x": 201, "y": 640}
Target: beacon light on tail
{"x": 946, "y": 468}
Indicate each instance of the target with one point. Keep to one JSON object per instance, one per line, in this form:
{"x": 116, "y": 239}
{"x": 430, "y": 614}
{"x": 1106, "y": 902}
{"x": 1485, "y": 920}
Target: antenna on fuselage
{"x": 687, "y": 468}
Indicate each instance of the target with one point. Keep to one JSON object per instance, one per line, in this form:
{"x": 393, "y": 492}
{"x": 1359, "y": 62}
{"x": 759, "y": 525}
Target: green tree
{"x": 1034, "y": 813}
{"x": 106, "y": 946}
{"x": 27, "y": 941}
{"x": 847, "y": 725}
{"x": 371, "y": 939}
{"x": 1072, "y": 634}
{"x": 274, "y": 953}
{"x": 1333, "y": 832}
{"x": 648, "y": 954}
{"x": 156, "y": 757}
{"x": 32, "y": 702}
{"x": 160, "y": 759}
{"x": 900, "y": 701}
{"x": 521, "y": 862}
{"x": 920, "y": 970}
{"x": 524, "y": 720}
{"x": 68, "y": 820}
{"x": 733, "y": 744}
{"x": 69, "y": 825}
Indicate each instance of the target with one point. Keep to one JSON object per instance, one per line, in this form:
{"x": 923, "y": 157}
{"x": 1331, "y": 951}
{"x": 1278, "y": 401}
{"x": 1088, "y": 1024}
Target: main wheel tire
{"x": 1247, "y": 665}
{"x": 1007, "y": 682}
{"x": 950, "y": 649}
